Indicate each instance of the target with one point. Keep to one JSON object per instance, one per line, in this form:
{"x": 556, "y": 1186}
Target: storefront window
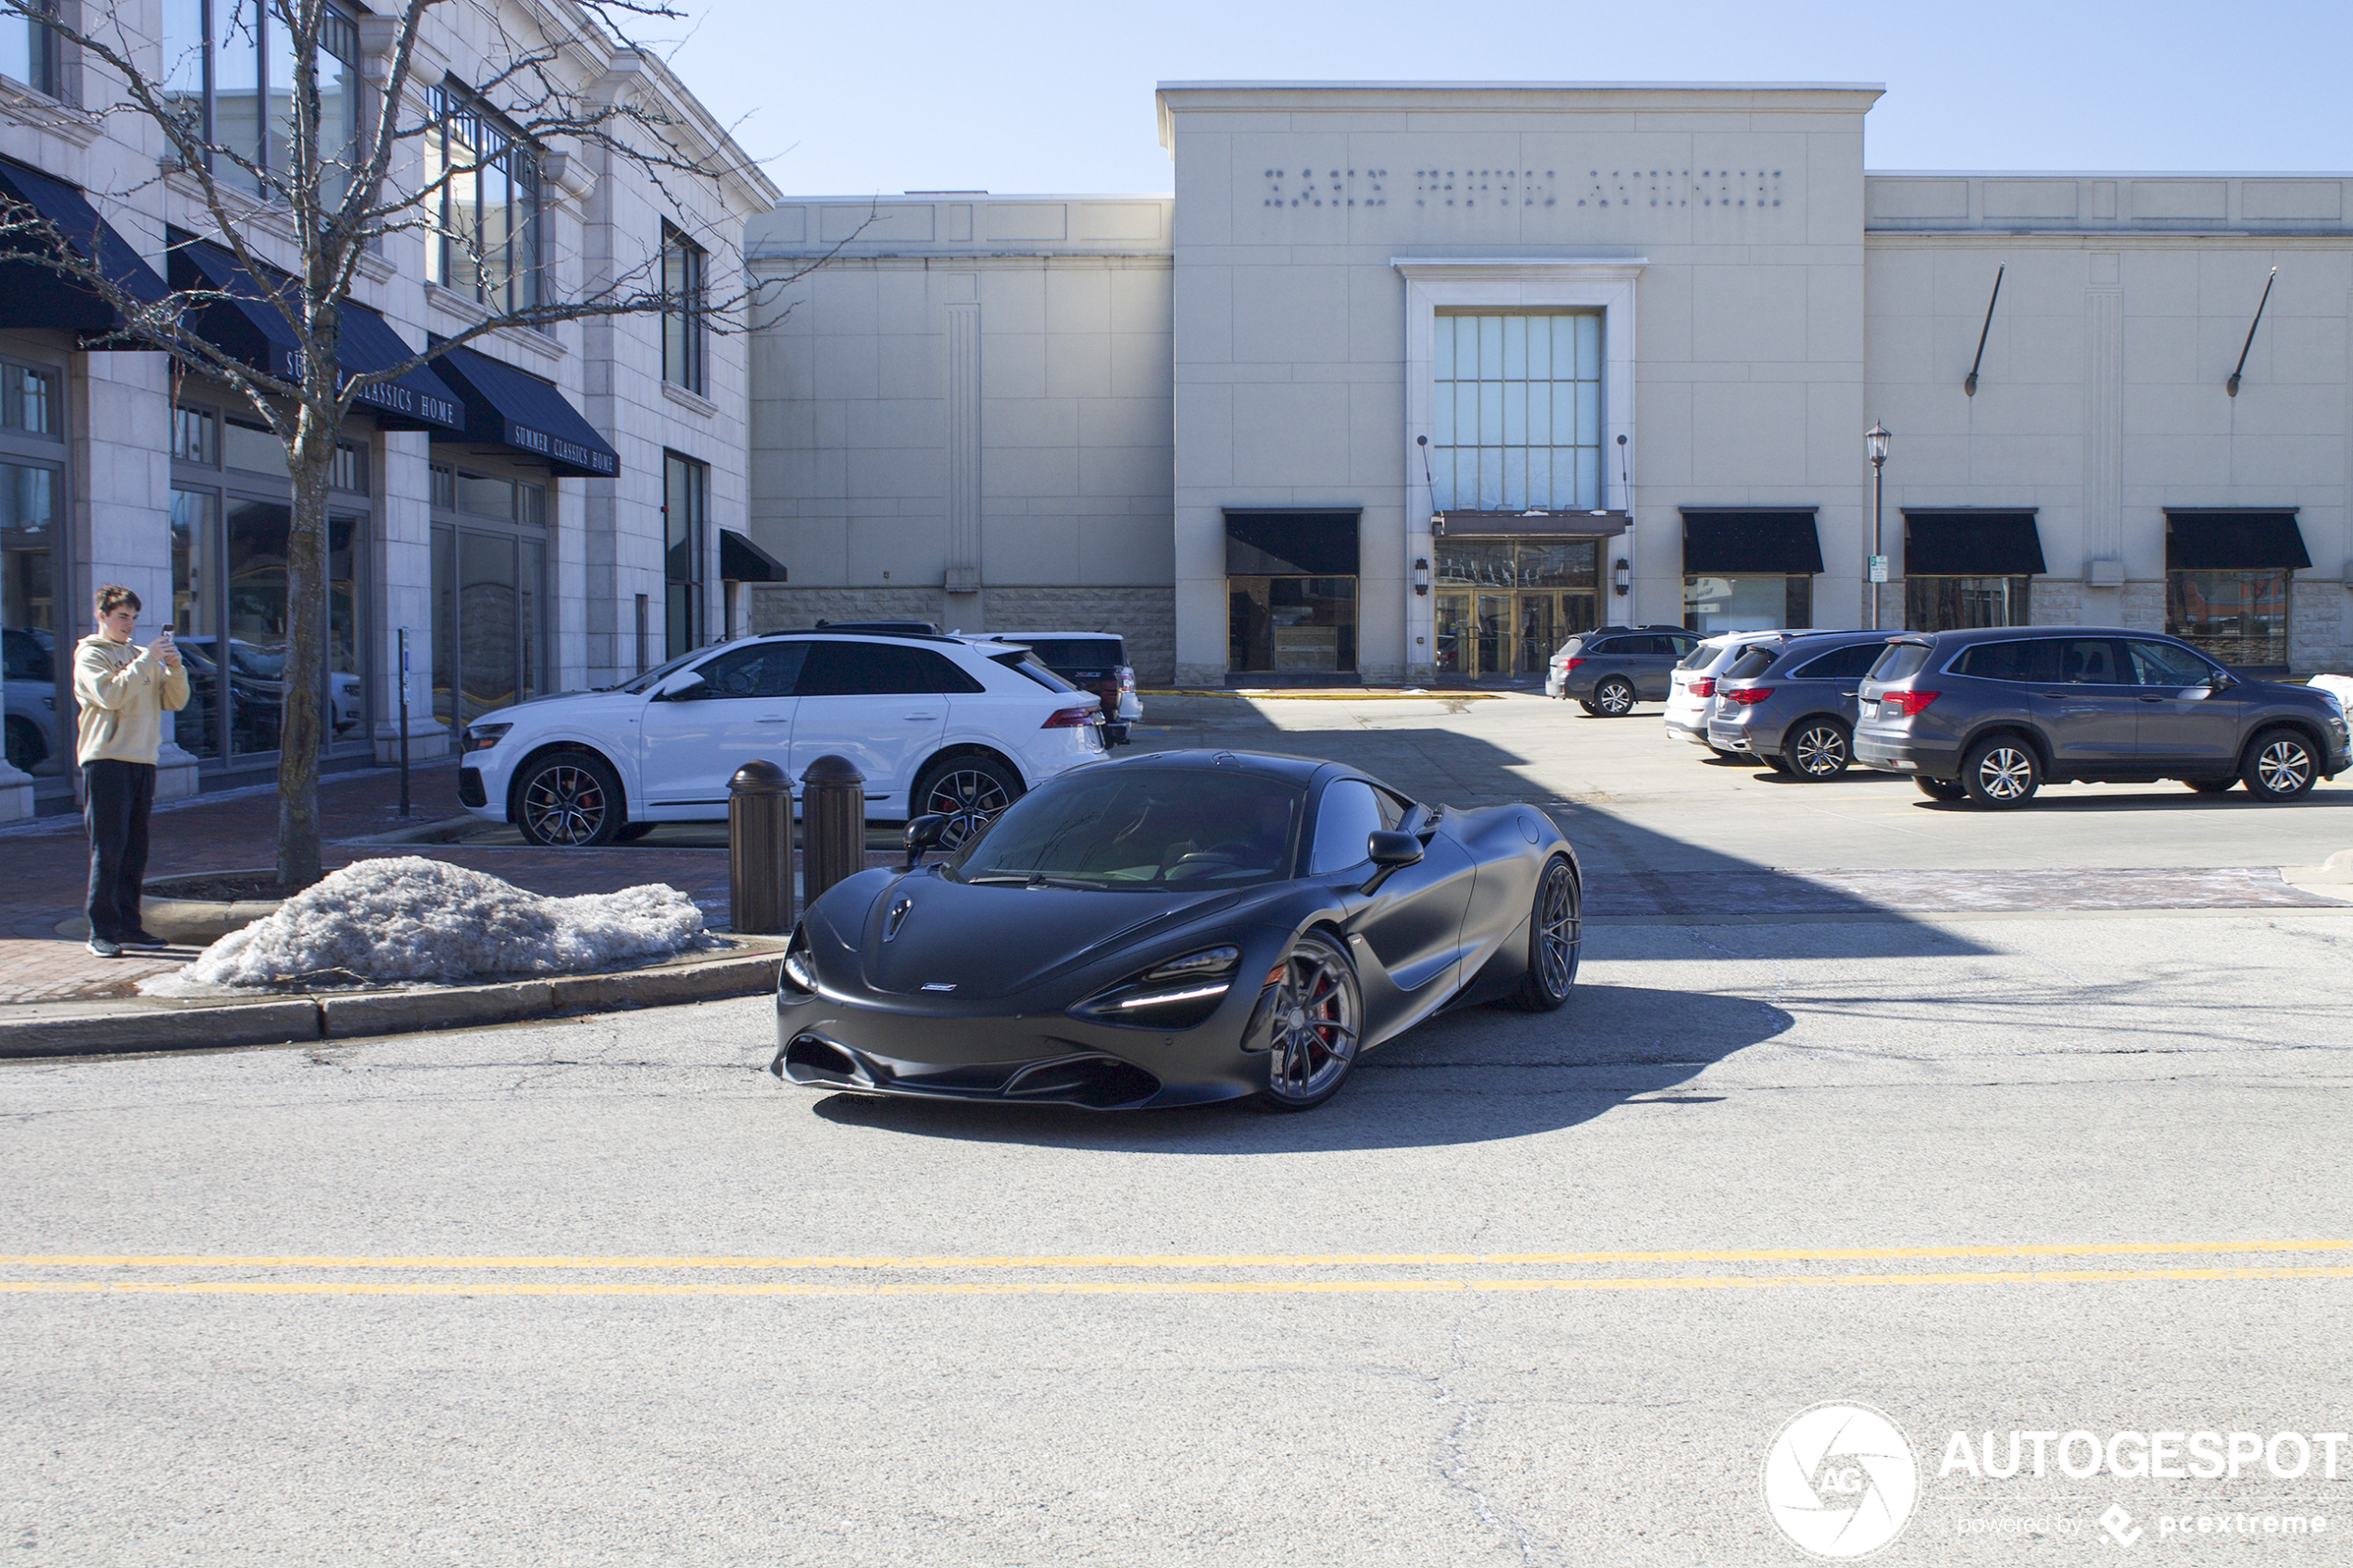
{"x": 1748, "y": 604}
{"x": 40, "y": 730}
{"x": 1516, "y": 411}
{"x": 489, "y": 245}
{"x": 28, "y": 49}
{"x": 222, "y": 57}
{"x": 255, "y": 664}
{"x": 2240, "y": 618}
{"x": 489, "y": 576}
{"x": 196, "y": 544}
{"x": 686, "y": 498}
{"x": 1292, "y": 623}
{"x": 1961, "y": 604}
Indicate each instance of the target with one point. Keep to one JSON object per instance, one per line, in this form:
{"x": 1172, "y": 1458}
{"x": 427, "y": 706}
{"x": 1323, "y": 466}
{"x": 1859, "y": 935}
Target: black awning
{"x": 247, "y": 327}
{"x": 1972, "y": 543}
{"x": 1556, "y": 525}
{"x": 740, "y": 560}
{"x": 2233, "y": 540}
{"x": 517, "y": 409}
{"x": 1294, "y": 544}
{"x": 1744, "y": 542}
{"x": 32, "y": 295}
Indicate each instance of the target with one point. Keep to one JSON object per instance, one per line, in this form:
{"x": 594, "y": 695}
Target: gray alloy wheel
{"x": 2001, "y": 774}
{"x": 1942, "y": 789}
{"x": 1555, "y": 940}
{"x": 969, "y": 792}
{"x": 2280, "y": 766}
{"x": 1819, "y": 751}
{"x": 569, "y": 800}
{"x": 1614, "y": 697}
{"x": 1319, "y": 1019}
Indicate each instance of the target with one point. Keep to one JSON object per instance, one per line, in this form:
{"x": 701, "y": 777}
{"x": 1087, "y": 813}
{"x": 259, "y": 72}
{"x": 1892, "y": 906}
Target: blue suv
{"x": 1994, "y": 714}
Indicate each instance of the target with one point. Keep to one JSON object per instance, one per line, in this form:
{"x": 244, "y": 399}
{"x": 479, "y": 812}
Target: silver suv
{"x": 1790, "y": 702}
{"x": 1610, "y": 669}
{"x": 1994, "y": 714}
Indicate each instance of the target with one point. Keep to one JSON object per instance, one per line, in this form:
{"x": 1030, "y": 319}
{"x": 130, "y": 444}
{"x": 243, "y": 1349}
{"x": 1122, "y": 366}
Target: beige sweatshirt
{"x": 123, "y": 690}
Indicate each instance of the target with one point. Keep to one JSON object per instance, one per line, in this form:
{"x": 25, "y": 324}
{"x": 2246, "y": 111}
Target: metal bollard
{"x": 759, "y": 850}
{"x": 833, "y": 824}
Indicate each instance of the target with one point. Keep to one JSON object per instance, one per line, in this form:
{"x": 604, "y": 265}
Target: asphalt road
{"x": 1533, "y": 1290}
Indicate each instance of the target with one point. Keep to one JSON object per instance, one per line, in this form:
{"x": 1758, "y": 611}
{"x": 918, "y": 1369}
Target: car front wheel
{"x": 1819, "y": 751}
{"x": 2001, "y": 774}
{"x": 1319, "y": 1019}
{"x": 569, "y": 800}
{"x": 1555, "y": 939}
{"x": 2280, "y": 766}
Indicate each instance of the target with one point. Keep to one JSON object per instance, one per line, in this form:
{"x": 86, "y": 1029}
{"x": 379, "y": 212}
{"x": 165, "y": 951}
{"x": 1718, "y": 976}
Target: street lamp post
{"x": 1875, "y": 445}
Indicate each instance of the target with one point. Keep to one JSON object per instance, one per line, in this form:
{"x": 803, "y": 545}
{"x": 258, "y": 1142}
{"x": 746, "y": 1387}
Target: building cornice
{"x": 1734, "y": 98}
{"x": 1517, "y": 268}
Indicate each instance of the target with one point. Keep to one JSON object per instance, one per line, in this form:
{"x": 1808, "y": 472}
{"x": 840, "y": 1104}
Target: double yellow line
{"x": 315, "y": 1275}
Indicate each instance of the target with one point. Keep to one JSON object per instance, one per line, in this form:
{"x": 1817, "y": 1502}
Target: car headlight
{"x": 799, "y": 973}
{"x": 482, "y": 737}
{"x": 1175, "y": 994}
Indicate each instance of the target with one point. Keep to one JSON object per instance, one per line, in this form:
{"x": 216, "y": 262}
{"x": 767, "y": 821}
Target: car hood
{"x": 995, "y": 940}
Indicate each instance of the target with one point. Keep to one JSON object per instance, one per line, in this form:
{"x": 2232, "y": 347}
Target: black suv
{"x": 1995, "y": 713}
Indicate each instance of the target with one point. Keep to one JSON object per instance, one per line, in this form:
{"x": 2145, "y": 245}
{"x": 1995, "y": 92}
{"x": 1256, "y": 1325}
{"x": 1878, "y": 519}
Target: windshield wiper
{"x": 1033, "y": 879}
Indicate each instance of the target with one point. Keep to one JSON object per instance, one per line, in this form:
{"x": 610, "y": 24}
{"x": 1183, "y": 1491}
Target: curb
{"x": 128, "y": 1028}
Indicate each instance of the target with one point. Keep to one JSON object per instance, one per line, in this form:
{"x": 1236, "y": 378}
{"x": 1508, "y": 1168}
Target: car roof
{"x": 1275, "y": 764}
{"x": 1023, "y": 636}
{"x": 2005, "y": 633}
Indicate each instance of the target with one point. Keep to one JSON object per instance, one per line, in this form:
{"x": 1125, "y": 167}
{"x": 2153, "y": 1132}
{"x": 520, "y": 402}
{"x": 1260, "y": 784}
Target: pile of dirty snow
{"x": 410, "y": 919}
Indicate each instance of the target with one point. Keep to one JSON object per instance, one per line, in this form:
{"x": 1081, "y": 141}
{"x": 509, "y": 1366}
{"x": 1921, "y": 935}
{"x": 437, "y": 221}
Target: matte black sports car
{"x": 1174, "y": 928}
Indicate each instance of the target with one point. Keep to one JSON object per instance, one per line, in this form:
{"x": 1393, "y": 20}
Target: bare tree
{"x": 324, "y": 202}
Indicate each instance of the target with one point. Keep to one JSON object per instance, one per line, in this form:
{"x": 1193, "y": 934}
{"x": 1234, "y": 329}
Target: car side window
{"x": 2163, "y": 664}
{"x": 2093, "y": 661}
{"x": 878, "y": 670}
{"x": 1844, "y": 664}
{"x": 1596, "y": 646}
{"x": 1392, "y": 808}
{"x": 763, "y": 669}
{"x": 1752, "y": 663}
{"x": 1348, "y": 816}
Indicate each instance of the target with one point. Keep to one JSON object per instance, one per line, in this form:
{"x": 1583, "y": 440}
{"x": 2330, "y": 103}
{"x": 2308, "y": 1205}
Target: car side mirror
{"x": 924, "y": 832}
{"x": 2223, "y": 680}
{"x": 1390, "y": 853}
{"x": 687, "y": 687}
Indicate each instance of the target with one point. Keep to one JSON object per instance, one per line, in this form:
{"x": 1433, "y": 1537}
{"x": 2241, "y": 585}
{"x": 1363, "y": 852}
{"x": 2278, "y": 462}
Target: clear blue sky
{"x": 863, "y": 97}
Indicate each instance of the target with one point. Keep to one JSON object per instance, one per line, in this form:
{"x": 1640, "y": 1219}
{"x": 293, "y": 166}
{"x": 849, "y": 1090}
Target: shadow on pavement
{"x": 1475, "y": 1076}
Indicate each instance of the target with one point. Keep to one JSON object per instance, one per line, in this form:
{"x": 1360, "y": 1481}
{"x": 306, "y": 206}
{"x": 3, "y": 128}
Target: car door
{"x": 2188, "y": 719}
{"x": 690, "y": 746}
{"x": 1412, "y": 923}
{"x": 2091, "y": 714}
{"x": 1840, "y": 674}
{"x": 1659, "y": 672}
{"x": 881, "y": 705}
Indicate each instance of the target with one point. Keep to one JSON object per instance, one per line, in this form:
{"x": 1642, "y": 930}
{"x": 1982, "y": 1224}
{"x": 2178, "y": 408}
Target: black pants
{"x": 119, "y": 796}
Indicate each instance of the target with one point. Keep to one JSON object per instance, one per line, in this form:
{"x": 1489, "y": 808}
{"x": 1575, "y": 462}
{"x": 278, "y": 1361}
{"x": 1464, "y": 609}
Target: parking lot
{"x": 2029, "y": 1120}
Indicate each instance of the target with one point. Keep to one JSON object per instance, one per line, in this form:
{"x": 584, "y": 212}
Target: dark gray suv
{"x": 1995, "y": 713}
{"x": 1790, "y": 701}
{"x": 1610, "y": 669}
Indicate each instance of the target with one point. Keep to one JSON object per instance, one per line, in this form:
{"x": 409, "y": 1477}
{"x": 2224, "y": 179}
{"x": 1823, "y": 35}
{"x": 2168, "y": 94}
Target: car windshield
{"x": 655, "y": 676}
{"x": 1701, "y": 656}
{"x": 1140, "y": 829}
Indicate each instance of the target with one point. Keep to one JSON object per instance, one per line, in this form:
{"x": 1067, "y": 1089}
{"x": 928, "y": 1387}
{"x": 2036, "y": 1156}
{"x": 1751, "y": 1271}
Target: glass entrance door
{"x": 1504, "y": 606}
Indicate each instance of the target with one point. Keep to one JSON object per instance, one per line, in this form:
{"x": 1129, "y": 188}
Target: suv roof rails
{"x": 846, "y": 630}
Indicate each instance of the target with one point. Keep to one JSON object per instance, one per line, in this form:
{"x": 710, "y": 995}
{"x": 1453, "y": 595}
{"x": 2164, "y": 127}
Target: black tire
{"x": 2280, "y": 766}
{"x": 2001, "y": 773}
{"x": 1590, "y": 711}
{"x": 1942, "y": 789}
{"x": 1776, "y": 761}
{"x": 1615, "y": 697}
{"x": 569, "y": 800}
{"x": 26, "y": 748}
{"x": 1555, "y": 939}
{"x": 1819, "y": 749}
{"x": 969, "y": 792}
{"x": 2212, "y": 786}
{"x": 1318, "y": 1027}
{"x": 631, "y": 831}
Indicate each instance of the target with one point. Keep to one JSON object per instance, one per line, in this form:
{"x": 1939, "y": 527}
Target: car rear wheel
{"x": 569, "y": 800}
{"x": 1942, "y": 789}
{"x": 1819, "y": 751}
{"x": 2280, "y": 766}
{"x": 1614, "y": 697}
{"x": 2001, "y": 774}
{"x": 2212, "y": 786}
{"x": 1319, "y": 1014}
{"x": 1555, "y": 939}
{"x": 969, "y": 792}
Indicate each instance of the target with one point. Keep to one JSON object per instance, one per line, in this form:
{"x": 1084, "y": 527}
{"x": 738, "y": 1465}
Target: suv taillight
{"x": 1906, "y": 704}
{"x": 1069, "y": 718}
{"x": 1703, "y": 687}
{"x": 1569, "y": 664}
{"x": 1750, "y": 697}
{"x": 1127, "y": 677}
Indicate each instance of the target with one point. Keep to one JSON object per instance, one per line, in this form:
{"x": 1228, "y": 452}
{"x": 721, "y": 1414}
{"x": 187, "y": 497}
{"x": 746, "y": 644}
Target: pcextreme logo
{"x": 1840, "y": 1481}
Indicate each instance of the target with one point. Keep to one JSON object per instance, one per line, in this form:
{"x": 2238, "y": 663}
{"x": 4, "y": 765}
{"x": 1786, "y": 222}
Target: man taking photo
{"x": 123, "y": 690}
